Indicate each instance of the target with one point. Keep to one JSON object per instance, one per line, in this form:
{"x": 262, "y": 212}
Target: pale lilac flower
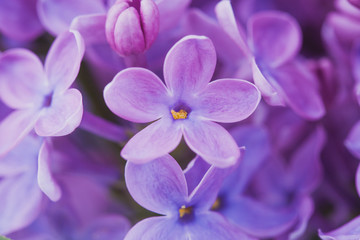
{"x": 19, "y": 20}
{"x": 271, "y": 44}
{"x": 40, "y": 95}
{"x": 160, "y": 186}
{"x": 187, "y": 105}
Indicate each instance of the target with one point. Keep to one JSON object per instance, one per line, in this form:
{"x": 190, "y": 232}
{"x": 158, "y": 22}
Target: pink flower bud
{"x": 132, "y": 26}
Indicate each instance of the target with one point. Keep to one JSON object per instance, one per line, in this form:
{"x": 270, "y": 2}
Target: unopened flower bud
{"x": 132, "y": 26}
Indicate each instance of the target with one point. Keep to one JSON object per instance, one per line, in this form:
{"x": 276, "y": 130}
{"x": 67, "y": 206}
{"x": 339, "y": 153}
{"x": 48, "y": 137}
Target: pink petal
{"x": 158, "y": 186}
{"x": 15, "y": 127}
{"x": 45, "y": 179}
{"x": 189, "y": 65}
{"x": 62, "y": 116}
{"x": 91, "y": 27}
{"x": 229, "y": 100}
{"x": 137, "y": 95}
{"x": 157, "y": 139}
{"x": 212, "y": 142}
{"x": 23, "y": 81}
{"x": 63, "y": 61}
{"x": 275, "y": 37}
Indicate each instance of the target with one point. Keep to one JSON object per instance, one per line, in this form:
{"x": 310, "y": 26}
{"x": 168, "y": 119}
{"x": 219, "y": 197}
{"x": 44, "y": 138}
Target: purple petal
{"x": 21, "y": 201}
{"x": 258, "y": 219}
{"x": 149, "y": 14}
{"x": 189, "y": 65}
{"x": 275, "y": 37}
{"x": 305, "y": 211}
{"x": 45, "y": 179}
{"x": 305, "y": 168}
{"x": 226, "y": 18}
{"x": 106, "y": 227}
{"x": 62, "y": 116}
{"x": 15, "y": 127}
{"x": 298, "y": 86}
{"x": 137, "y": 95}
{"x": 212, "y": 142}
{"x": 19, "y": 20}
{"x": 195, "y": 171}
{"x": 62, "y": 63}
{"x": 56, "y": 16}
{"x": 270, "y": 95}
{"x": 229, "y": 100}
{"x": 156, "y": 228}
{"x": 212, "y": 225}
{"x": 158, "y": 186}
{"x": 349, "y": 231}
{"x": 91, "y": 27}
{"x": 23, "y": 81}
{"x": 358, "y": 180}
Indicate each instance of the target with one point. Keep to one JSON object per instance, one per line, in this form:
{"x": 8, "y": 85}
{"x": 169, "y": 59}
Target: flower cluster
{"x": 179, "y": 119}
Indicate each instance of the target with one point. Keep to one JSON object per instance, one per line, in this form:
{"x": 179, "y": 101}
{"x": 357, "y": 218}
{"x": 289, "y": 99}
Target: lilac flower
{"x": 350, "y": 230}
{"x": 132, "y": 26}
{"x": 40, "y": 96}
{"x": 160, "y": 186}
{"x": 274, "y": 40}
{"x": 187, "y": 105}
{"x": 19, "y": 20}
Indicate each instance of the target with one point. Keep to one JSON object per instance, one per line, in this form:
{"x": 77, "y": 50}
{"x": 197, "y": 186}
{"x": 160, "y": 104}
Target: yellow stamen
{"x": 182, "y": 114}
{"x": 184, "y": 210}
{"x": 216, "y": 204}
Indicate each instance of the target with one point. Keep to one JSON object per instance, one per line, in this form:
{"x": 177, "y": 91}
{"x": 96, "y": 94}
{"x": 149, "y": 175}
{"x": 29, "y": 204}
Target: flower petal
{"x": 15, "y": 127}
{"x": 62, "y": 63}
{"x": 226, "y": 18}
{"x": 212, "y": 225}
{"x": 189, "y": 65}
{"x": 21, "y": 201}
{"x": 275, "y": 37}
{"x": 212, "y": 142}
{"x": 349, "y": 231}
{"x": 229, "y": 100}
{"x": 44, "y": 178}
{"x": 62, "y": 116}
{"x": 298, "y": 86}
{"x": 91, "y": 27}
{"x": 56, "y": 15}
{"x": 158, "y": 186}
{"x": 19, "y": 20}
{"x": 156, "y": 228}
{"x": 157, "y": 139}
{"x": 258, "y": 219}
{"x": 23, "y": 81}
{"x": 137, "y": 95}
{"x": 170, "y": 12}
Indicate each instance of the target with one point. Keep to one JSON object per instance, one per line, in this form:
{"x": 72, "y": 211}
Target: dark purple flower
{"x": 40, "y": 95}
{"x": 160, "y": 186}
{"x": 187, "y": 105}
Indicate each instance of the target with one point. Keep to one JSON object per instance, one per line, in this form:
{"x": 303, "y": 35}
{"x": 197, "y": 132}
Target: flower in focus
{"x": 160, "y": 186}
{"x": 40, "y": 96}
{"x": 187, "y": 105}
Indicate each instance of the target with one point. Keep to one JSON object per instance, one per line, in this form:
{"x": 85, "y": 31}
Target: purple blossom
{"x": 186, "y": 105}
{"x": 40, "y": 95}
{"x": 160, "y": 186}
{"x": 272, "y": 43}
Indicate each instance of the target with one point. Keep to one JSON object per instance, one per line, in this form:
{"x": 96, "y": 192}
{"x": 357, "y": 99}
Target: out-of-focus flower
{"x": 132, "y": 26}
{"x": 40, "y": 95}
{"x": 160, "y": 186}
{"x": 272, "y": 44}
{"x": 187, "y": 105}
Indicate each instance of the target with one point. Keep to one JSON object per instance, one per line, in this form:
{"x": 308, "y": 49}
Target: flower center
{"x": 184, "y": 211}
{"x": 216, "y": 205}
{"x": 182, "y": 114}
